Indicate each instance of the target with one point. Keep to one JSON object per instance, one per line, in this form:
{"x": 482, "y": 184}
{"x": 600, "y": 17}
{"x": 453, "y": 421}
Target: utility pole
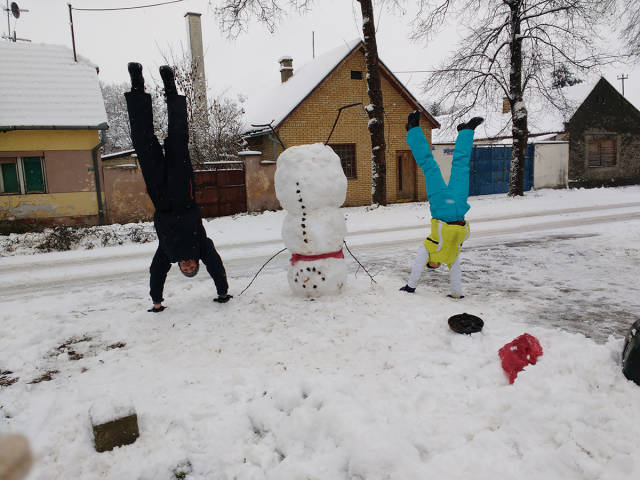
{"x": 623, "y": 77}
{"x": 8, "y": 20}
{"x": 73, "y": 37}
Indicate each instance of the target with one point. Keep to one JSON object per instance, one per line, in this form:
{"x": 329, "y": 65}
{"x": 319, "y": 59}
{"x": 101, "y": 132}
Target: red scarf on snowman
{"x": 296, "y": 257}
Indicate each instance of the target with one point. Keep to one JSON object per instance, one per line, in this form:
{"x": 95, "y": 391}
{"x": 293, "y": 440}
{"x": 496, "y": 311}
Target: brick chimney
{"x": 194, "y": 28}
{"x": 286, "y": 68}
{"x": 506, "y": 106}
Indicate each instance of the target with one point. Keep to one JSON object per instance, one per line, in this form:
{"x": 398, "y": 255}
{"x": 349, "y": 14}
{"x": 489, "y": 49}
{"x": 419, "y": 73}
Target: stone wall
{"x": 259, "y": 173}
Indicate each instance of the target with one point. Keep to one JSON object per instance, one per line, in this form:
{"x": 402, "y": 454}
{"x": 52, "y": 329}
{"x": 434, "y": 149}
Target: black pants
{"x": 168, "y": 174}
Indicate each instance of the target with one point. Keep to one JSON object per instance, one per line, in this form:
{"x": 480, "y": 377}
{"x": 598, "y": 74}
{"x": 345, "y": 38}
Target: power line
{"x": 125, "y": 8}
{"x": 417, "y": 71}
{"x": 73, "y": 36}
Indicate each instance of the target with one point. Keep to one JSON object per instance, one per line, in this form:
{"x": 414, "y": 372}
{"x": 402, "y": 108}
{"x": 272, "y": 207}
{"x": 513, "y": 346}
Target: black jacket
{"x": 205, "y": 252}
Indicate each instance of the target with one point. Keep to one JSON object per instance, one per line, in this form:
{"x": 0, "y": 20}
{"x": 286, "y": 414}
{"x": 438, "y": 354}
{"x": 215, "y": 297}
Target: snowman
{"x": 311, "y": 187}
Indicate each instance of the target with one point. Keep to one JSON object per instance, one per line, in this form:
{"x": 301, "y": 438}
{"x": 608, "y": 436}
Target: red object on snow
{"x": 519, "y": 353}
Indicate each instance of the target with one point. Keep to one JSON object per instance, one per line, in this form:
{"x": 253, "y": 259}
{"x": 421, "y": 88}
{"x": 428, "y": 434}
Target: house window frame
{"x": 599, "y": 137}
{"x": 22, "y": 178}
{"x": 354, "y": 168}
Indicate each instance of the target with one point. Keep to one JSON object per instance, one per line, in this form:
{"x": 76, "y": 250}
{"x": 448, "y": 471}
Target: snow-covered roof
{"x": 542, "y": 119}
{"x": 41, "y": 86}
{"x": 275, "y": 104}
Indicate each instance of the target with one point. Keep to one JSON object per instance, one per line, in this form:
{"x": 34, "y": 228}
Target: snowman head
{"x": 318, "y": 277}
{"x": 309, "y": 177}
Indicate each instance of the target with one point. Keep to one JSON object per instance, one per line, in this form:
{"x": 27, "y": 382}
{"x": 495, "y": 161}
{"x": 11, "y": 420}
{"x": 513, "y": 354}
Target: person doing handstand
{"x": 168, "y": 175}
{"x": 448, "y": 203}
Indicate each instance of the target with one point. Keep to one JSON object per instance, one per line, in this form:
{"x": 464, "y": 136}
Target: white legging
{"x": 455, "y": 273}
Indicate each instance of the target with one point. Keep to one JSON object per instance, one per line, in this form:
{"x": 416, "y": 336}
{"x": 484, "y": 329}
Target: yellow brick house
{"x": 304, "y": 107}
{"x": 51, "y": 113}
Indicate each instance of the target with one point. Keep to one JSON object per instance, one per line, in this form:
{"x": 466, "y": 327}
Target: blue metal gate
{"x": 490, "y": 169}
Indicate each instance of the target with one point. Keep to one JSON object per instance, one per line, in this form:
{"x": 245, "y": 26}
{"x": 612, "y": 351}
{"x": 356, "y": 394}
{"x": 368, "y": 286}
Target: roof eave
{"x": 410, "y": 96}
{"x": 100, "y": 126}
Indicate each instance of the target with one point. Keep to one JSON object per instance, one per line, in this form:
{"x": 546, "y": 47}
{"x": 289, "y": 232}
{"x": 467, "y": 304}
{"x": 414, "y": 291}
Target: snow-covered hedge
{"x": 61, "y": 238}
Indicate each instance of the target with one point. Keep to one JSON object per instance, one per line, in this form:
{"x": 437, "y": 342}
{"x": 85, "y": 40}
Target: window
{"x": 356, "y": 75}
{"x": 347, "y": 154}
{"x": 601, "y": 150}
{"x": 22, "y": 175}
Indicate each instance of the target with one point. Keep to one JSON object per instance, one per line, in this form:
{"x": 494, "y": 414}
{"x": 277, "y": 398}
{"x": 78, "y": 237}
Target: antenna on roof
{"x": 14, "y": 10}
{"x": 623, "y": 77}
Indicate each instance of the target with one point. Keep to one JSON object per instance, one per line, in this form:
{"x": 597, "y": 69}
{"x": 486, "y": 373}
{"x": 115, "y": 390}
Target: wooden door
{"x": 406, "y": 175}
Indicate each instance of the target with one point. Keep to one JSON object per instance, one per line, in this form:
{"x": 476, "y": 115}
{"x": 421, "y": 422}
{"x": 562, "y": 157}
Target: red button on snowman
{"x": 311, "y": 186}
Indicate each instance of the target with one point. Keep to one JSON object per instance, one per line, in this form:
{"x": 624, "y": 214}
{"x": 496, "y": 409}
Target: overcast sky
{"x": 247, "y": 64}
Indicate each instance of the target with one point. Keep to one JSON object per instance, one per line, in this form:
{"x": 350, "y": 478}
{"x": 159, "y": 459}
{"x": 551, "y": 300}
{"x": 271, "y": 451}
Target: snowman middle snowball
{"x": 311, "y": 186}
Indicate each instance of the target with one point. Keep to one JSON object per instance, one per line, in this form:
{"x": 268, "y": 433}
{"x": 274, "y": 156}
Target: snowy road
{"x": 51, "y": 274}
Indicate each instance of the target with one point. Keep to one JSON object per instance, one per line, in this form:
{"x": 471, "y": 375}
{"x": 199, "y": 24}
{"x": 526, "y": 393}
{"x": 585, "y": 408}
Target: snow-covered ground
{"x": 370, "y": 385}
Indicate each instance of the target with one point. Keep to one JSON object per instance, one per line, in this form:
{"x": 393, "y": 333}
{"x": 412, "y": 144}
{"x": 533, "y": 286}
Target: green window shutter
{"x": 10, "y": 178}
{"x": 34, "y": 178}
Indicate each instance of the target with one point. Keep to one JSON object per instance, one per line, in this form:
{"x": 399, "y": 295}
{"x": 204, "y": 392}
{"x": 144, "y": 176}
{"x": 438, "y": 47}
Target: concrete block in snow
{"x": 113, "y": 425}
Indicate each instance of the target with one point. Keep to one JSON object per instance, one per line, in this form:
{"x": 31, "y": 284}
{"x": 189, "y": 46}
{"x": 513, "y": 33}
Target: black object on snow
{"x": 631, "y": 354}
{"x": 465, "y": 323}
{"x": 223, "y": 298}
{"x": 407, "y": 289}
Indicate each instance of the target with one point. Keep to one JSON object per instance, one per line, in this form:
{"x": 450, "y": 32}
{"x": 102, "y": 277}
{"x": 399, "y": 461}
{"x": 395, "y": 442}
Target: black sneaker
{"x": 465, "y": 323}
{"x": 407, "y": 289}
{"x": 169, "y": 80}
{"x": 137, "y": 80}
{"x": 223, "y": 298}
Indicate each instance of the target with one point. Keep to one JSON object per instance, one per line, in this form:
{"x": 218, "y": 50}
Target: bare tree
{"x": 118, "y": 137}
{"x": 234, "y": 16}
{"x": 375, "y": 109}
{"x": 631, "y": 29}
{"x": 215, "y": 123}
{"x": 513, "y": 49}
